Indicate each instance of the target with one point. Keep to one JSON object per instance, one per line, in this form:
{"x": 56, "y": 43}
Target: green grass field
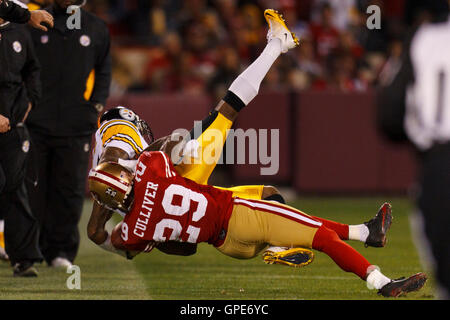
{"x": 209, "y": 275}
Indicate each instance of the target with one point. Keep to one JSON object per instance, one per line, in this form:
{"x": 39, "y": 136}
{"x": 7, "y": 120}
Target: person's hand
{"x": 4, "y": 124}
{"x": 38, "y": 17}
{"x": 28, "y": 111}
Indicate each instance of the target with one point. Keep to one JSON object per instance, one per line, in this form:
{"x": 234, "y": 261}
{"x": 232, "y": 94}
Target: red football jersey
{"x": 169, "y": 207}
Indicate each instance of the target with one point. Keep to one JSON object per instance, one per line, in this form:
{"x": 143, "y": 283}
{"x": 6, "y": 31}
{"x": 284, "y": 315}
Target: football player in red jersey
{"x": 174, "y": 214}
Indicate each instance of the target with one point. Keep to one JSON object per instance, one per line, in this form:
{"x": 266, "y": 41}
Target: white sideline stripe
{"x": 279, "y": 210}
{"x": 115, "y": 183}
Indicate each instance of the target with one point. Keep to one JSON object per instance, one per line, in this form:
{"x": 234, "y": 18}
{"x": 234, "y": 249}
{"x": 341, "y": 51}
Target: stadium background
{"x": 175, "y": 58}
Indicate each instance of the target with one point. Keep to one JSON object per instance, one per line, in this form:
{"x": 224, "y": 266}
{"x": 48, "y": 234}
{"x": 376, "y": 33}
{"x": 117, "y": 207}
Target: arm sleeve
{"x": 12, "y": 12}
{"x": 31, "y": 73}
{"x": 391, "y": 100}
{"x": 159, "y": 164}
{"x": 102, "y": 71}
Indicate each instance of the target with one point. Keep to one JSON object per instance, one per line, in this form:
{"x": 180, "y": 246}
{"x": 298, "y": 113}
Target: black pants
{"x": 58, "y": 197}
{"x": 21, "y": 227}
{"x": 434, "y": 205}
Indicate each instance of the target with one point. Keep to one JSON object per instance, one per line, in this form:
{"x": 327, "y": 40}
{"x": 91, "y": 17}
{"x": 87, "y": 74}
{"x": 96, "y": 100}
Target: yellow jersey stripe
{"x": 115, "y": 122}
{"x": 123, "y": 139}
{"x": 121, "y": 129}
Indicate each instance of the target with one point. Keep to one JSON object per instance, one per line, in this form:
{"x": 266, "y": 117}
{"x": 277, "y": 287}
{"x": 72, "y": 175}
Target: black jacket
{"x": 68, "y": 57}
{"x": 12, "y": 12}
{"x": 19, "y": 72}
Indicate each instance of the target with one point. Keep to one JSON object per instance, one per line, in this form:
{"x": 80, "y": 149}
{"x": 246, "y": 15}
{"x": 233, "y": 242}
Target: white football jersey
{"x": 120, "y": 134}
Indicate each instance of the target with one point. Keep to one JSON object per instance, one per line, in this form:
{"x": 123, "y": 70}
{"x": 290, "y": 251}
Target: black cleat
{"x": 378, "y": 227}
{"x": 402, "y": 286}
{"x": 24, "y": 269}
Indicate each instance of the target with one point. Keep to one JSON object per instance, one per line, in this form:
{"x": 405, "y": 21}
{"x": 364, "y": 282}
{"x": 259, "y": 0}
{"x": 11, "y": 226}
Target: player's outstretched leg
{"x": 373, "y": 233}
{"x": 349, "y": 260}
{"x": 196, "y": 162}
{"x": 279, "y": 40}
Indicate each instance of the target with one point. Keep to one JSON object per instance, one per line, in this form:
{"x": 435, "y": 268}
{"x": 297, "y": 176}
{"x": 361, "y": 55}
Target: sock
{"x": 347, "y": 258}
{"x": 246, "y": 85}
{"x": 234, "y": 101}
{"x": 376, "y": 279}
{"x": 341, "y": 229}
{"x": 358, "y": 232}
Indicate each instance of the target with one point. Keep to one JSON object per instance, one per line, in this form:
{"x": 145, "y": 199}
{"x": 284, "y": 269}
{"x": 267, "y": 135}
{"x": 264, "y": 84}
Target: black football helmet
{"x": 123, "y": 113}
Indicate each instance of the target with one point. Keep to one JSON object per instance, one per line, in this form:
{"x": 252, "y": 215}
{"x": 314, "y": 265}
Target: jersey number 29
{"x": 187, "y": 197}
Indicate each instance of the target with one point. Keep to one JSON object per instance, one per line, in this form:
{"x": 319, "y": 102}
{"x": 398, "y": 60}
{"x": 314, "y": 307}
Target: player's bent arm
{"x": 157, "y": 144}
{"x": 269, "y": 191}
{"x": 177, "y": 248}
{"x": 113, "y": 154}
{"x": 96, "y": 226}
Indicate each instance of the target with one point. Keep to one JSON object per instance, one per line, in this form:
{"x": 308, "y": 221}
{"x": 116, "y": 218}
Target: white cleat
{"x": 61, "y": 263}
{"x": 278, "y": 29}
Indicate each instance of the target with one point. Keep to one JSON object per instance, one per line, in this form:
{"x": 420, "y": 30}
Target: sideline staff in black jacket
{"x": 76, "y": 75}
{"x": 19, "y": 92}
{"x": 12, "y": 12}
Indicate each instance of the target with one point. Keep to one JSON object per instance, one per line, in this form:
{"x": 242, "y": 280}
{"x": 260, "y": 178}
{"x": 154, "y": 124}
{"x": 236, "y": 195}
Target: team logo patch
{"x": 17, "y": 46}
{"x": 26, "y": 146}
{"x": 110, "y": 192}
{"x": 85, "y": 40}
{"x": 44, "y": 39}
{"x": 127, "y": 114}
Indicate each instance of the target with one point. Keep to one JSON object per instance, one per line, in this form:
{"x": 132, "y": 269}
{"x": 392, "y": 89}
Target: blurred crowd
{"x": 200, "y": 46}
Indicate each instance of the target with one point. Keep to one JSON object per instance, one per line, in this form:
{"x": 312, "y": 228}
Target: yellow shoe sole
{"x": 295, "y": 257}
{"x": 275, "y": 15}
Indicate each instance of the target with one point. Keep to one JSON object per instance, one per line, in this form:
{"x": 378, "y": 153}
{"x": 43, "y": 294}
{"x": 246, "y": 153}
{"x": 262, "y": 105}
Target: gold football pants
{"x": 254, "y": 225}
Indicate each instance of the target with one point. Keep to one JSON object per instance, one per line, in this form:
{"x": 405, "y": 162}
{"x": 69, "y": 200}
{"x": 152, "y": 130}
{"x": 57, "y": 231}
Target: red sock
{"x": 340, "y": 228}
{"x": 347, "y": 258}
